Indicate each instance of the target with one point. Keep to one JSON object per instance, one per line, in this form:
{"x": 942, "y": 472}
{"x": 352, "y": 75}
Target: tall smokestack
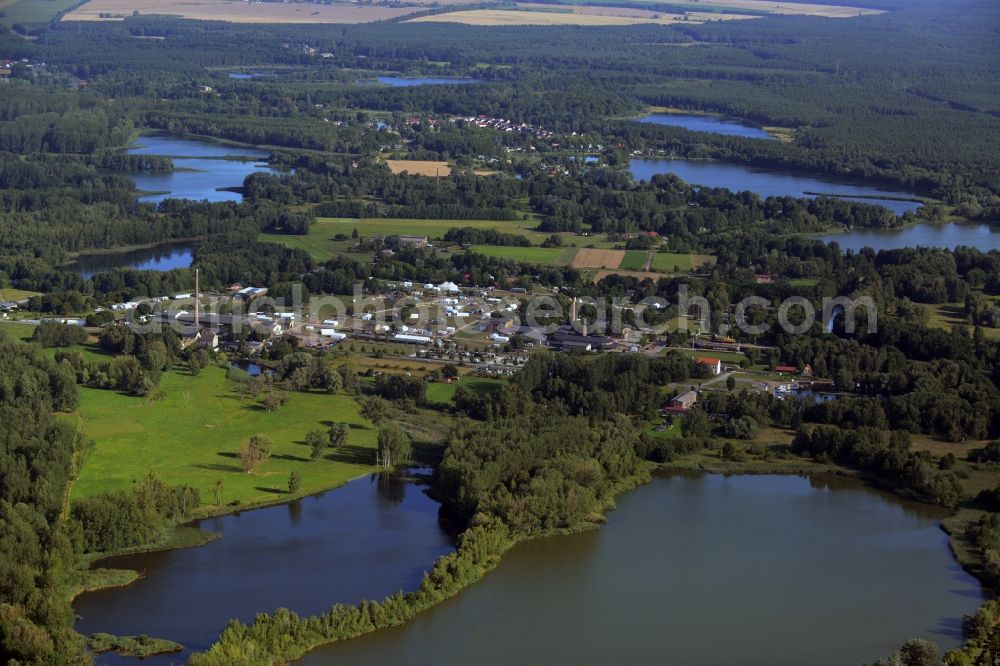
{"x": 197, "y": 301}
{"x": 572, "y": 312}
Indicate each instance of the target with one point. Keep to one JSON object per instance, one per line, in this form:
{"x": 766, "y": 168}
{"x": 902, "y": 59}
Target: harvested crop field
{"x": 419, "y": 167}
{"x": 592, "y": 258}
{"x": 237, "y": 12}
{"x": 499, "y": 17}
{"x": 796, "y": 8}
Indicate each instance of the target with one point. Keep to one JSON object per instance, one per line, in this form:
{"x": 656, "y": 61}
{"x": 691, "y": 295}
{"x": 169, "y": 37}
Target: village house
{"x": 714, "y": 364}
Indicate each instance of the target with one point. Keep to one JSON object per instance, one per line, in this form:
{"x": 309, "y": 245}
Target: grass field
{"x": 34, "y": 11}
{"x": 443, "y": 393}
{"x": 634, "y": 260}
{"x": 237, "y": 12}
{"x": 17, "y": 330}
{"x": 666, "y": 261}
{"x": 948, "y": 315}
{"x": 191, "y": 436}
{"x": 556, "y": 256}
{"x": 11, "y": 294}
{"x": 320, "y": 244}
{"x": 726, "y": 357}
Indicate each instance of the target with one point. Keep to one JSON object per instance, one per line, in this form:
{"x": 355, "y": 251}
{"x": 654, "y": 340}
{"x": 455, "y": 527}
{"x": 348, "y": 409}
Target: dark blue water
{"x": 176, "y": 147}
{"x": 201, "y": 169}
{"x": 949, "y": 236}
{"x": 707, "y": 124}
{"x": 768, "y": 183}
{"x": 365, "y": 540}
{"x": 398, "y": 82}
{"x": 149, "y": 259}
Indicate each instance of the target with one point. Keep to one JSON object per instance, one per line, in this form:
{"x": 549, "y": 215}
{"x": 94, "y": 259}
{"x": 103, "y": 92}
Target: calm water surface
{"x": 399, "y": 82}
{"x": 201, "y": 169}
{"x": 364, "y": 540}
{"x": 149, "y": 259}
{"x": 706, "y": 124}
{"x": 981, "y": 236}
{"x": 704, "y": 570}
{"x": 768, "y": 183}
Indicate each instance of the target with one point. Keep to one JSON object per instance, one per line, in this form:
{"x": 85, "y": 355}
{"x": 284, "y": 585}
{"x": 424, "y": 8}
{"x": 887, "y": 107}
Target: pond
{"x": 767, "y": 182}
{"x": 252, "y": 369}
{"x": 243, "y": 76}
{"x": 704, "y": 570}
{"x": 364, "y": 540}
{"x": 983, "y": 237}
{"x": 201, "y": 169}
{"x": 401, "y": 82}
{"x": 712, "y": 124}
{"x": 162, "y": 258}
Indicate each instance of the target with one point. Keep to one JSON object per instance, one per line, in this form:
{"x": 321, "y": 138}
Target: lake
{"x": 983, "y": 237}
{"x": 201, "y": 168}
{"x": 400, "y": 82}
{"x": 768, "y": 183}
{"x": 163, "y": 258}
{"x": 712, "y": 124}
{"x": 367, "y": 539}
{"x": 704, "y": 570}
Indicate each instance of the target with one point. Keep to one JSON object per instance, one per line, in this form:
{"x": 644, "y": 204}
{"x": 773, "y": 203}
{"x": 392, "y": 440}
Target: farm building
{"x": 712, "y": 362}
{"x": 248, "y": 293}
{"x": 415, "y": 339}
{"x": 447, "y": 288}
{"x": 416, "y": 241}
{"x": 501, "y": 325}
{"x": 681, "y": 403}
{"x": 208, "y": 339}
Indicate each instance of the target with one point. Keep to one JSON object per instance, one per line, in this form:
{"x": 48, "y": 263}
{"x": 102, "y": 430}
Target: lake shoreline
{"x": 132, "y": 248}
{"x": 750, "y": 468}
{"x": 703, "y": 465}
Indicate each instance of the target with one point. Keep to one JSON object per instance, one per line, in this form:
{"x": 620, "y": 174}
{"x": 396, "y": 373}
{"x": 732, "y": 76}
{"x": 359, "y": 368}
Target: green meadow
{"x": 321, "y": 243}
{"x": 634, "y": 260}
{"x": 17, "y": 330}
{"x": 35, "y": 11}
{"x": 559, "y": 256}
{"x": 191, "y": 435}
{"x": 443, "y": 393}
{"x": 666, "y": 261}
